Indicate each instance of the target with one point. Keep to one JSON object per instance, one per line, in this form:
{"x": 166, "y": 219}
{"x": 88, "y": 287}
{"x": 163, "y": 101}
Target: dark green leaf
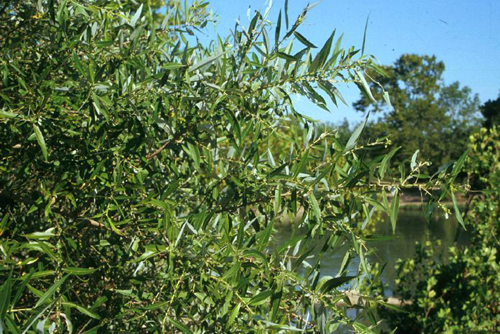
{"x": 304, "y": 40}
{"x": 261, "y": 298}
{"x": 51, "y": 291}
{"x": 334, "y": 283}
{"x": 82, "y": 310}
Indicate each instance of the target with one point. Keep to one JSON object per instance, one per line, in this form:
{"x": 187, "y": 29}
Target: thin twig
{"x": 158, "y": 151}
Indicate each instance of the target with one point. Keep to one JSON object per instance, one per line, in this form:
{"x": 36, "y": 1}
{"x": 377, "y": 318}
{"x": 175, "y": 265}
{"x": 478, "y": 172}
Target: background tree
{"x": 491, "y": 113}
{"x": 426, "y": 114}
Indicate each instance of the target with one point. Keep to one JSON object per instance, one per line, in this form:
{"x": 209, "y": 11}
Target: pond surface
{"x": 411, "y": 228}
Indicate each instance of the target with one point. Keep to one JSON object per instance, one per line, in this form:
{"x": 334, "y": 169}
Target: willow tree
{"x": 139, "y": 191}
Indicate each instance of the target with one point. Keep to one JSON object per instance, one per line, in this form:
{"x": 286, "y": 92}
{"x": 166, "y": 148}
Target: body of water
{"x": 411, "y": 227}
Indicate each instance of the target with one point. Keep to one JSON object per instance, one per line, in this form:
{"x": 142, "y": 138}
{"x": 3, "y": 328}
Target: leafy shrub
{"x": 138, "y": 184}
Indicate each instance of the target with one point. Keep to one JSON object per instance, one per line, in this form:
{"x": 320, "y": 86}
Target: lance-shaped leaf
{"x": 51, "y": 291}
{"x": 41, "y": 142}
{"x": 322, "y": 55}
{"x": 355, "y": 135}
{"x": 385, "y": 162}
{"x": 365, "y": 85}
{"x": 207, "y": 61}
{"x": 304, "y": 40}
{"x": 136, "y": 16}
{"x": 335, "y": 282}
{"x": 457, "y": 210}
{"x": 394, "y": 210}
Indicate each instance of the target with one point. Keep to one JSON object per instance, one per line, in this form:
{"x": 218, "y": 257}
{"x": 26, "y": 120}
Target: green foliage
{"x": 491, "y": 112}
{"x": 138, "y": 184}
{"x": 425, "y": 114}
{"x": 460, "y": 295}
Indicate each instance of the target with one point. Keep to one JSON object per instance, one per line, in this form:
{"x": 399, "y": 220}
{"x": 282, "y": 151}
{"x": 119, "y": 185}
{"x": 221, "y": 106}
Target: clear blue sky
{"x": 464, "y": 34}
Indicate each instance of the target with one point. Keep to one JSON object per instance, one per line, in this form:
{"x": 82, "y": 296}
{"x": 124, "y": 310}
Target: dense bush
{"x": 138, "y": 184}
{"x": 461, "y": 294}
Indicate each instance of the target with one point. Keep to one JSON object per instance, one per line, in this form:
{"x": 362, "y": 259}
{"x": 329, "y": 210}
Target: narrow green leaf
{"x": 233, "y": 271}
{"x": 161, "y": 204}
{"x": 265, "y": 236}
{"x": 364, "y": 36}
{"x": 233, "y": 314}
{"x": 98, "y": 106}
{"x": 77, "y": 63}
{"x": 78, "y": 271}
{"x": 385, "y": 162}
{"x": 180, "y": 326}
{"x": 366, "y": 86}
{"x": 114, "y": 228}
{"x": 155, "y": 306}
{"x": 83, "y": 310}
{"x": 286, "y": 14}
{"x": 335, "y": 282}
{"x": 277, "y": 31}
{"x": 43, "y": 273}
{"x": 277, "y": 200}
{"x": 48, "y": 294}
{"x": 388, "y": 100}
{"x": 136, "y": 16}
{"x": 260, "y": 298}
{"x": 5, "y": 293}
{"x": 393, "y": 307}
{"x": 41, "y": 142}
{"x": 394, "y": 210}
{"x": 267, "y": 44}
{"x": 302, "y": 258}
{"x": 206, "y": 61}
{"x": 362, "y": 260}
{"x": 322, "y": 175}
{"x": 345, "y": 262}
{"x": 376, "y": 204}
{"x": 104, "y": 44}
{"x": 41, "y": 235}
{"x": 302, "y": 163}
{"x": 304, "y": 40}
{"x": 11, "y": 325}
{"x": 47, "y": 250}
{"x": 315, "y": 206}
{"x": 339, "y": 95}
{"x": 286, "y": 56}
{"x": 413, "y": 162}
{"x": 22, "y": 287}
{"x": 355, "y": 135}
{"x": 328, "y": 89}
{"x": 322, "y": 55}
{"x": 282, "y": 328}
{"x": 172, "y": 66}
{"x": 458, "y": 214}
{"x": 457, "y": 166}
{"x": 6, "y": 114}
{"x": 194, "y": 152}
